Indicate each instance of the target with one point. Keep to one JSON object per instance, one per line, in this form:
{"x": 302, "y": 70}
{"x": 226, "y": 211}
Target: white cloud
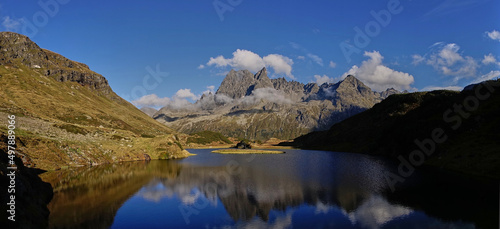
{"x": 489, "y": 59}
{"x": 494, "y": 35}
{"x": 446, "y": 59}
{"x": 489, "y": 76}
{"x": 323, "y": 79}
{"x": 185, "y": 94}
{"x": 280, "y": 64}
{"x": 12, "y": 24}
{"x": 178, "y": 101}
{"x": 201, "y": 66}
{"x": 265, "y": 94}
{"x": 301, "y": 57}
{"x": 219, "y": 61}
{"x": 151, "y": 100}
{"x": 448, "y": 55}
{"x": 379, "y": 77}
{"x": 244, "y": 59}
{"x": 332, "y": 64}
{"x": 316, "y": 59}
{"x": 433, "y": 88}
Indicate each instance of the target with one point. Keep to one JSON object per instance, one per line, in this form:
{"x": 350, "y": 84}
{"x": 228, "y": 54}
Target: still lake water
{"x": 298, "y": 189}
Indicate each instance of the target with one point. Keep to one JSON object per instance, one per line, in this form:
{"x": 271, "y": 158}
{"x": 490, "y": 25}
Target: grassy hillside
{"x": 392, "y": 127}
{"x": 207, "y": 137}
{"x": 67, "y": 115}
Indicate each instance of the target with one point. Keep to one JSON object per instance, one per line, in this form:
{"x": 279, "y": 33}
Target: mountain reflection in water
{"x": 300, "y": 189}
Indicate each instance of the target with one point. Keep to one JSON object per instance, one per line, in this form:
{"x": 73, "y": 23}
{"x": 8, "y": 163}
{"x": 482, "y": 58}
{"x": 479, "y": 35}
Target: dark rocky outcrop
{"x": 393, "y": 127}
{"x": 31, "y": 194}
{"x": 18, "y": 49}
{"x": 243, "y": 145}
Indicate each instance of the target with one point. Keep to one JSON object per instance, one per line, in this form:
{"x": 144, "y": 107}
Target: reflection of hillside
{"x": 90, "y": 197}
{"x": 450, "y": 197}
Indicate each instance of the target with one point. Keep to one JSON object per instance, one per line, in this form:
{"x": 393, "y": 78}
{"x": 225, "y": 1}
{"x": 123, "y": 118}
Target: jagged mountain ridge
{"x": 254, "y": 106}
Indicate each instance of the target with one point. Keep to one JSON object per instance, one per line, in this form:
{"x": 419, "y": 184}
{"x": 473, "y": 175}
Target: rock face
{"x": 18, "y": 49}
{"x": 253, "y": 106}
{"x": 241, "y": 83}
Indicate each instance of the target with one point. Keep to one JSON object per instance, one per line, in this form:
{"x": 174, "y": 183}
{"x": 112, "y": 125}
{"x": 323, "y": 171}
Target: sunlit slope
{"x": 68, "y": 115}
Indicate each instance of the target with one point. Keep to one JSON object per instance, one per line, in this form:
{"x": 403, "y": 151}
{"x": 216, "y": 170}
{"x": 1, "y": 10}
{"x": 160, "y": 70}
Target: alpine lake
{"x": 297, "y": 189}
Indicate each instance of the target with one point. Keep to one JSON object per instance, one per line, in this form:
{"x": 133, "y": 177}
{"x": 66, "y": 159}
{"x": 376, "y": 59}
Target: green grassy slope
{"x": 67, "y": 115}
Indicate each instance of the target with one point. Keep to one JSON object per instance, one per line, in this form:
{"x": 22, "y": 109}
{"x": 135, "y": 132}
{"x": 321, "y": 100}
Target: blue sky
{"x": 178, "y": 49}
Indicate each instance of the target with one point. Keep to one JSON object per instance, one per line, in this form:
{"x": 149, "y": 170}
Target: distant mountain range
{"x": 253, "y": 106}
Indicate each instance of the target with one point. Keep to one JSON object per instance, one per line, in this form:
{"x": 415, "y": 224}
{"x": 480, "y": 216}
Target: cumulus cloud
{"x": 280, "y": 64}
{"x": 301, "y": 57}
{"x": 11, "y": 24}
{"x": 489, "y": 76}
{"x": 185, "y": 94}
{"x": 178, "y": 101}
{"x": 379, "y": 77}
{"x": 332, "y": 64}
{"x": 323, "y": 79}
{"x": 448, "y": 55}
{"x": 244, "y": 59}
{"x": 494, "y": 35}
{"x": 489, "y": 59}
{"x": 151, "y": 100}
{"x": 447, "y": 60}
{"x": 201, "y": 66}
{"x": 265, "y": 94}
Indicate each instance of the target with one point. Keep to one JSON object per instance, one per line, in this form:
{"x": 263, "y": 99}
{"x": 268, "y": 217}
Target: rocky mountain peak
{"x": 388, "y": 92}
{"x": 351, "y": 84}
{"x": 240, "y": 83}
{"x": 261, "y": 75}
{"x": 18, "y": 47}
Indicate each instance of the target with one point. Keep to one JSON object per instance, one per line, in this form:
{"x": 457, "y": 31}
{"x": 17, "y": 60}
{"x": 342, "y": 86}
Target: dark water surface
{"x": 299, "y": 189}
